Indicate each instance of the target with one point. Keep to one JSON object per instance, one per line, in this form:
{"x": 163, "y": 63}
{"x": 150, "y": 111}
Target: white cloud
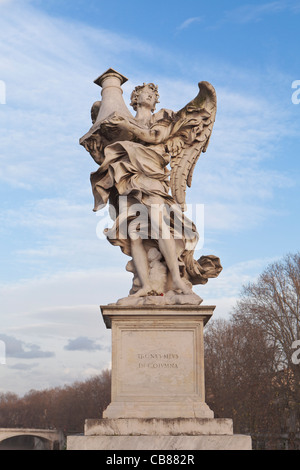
{"x": 83, "y": 343}
{"x": 189, "y": 21}
{"x": 253, "y": 13}
{"x": 77, "y": 290}
{"x": 18, "y": 349}
{"x": 49, "y": 72}
{"x": 45, "y": 315}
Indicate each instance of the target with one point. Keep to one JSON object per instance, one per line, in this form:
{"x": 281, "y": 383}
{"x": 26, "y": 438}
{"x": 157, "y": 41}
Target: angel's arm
{"x": 156, "y": 134}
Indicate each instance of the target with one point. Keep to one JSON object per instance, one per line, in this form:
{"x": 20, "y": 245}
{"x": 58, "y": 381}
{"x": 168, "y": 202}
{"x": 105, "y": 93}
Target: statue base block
{"x": 157, "y": 361}
{"x": 159, "y": 434}
{"x": 158, "y": 390}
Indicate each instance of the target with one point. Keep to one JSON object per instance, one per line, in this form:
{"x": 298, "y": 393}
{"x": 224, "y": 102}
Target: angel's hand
{"x": 114, "y": 119}
{"x": 115, "y": 124}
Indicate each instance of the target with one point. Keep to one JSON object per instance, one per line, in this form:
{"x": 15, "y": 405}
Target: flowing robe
{"x": 137, "y": 173}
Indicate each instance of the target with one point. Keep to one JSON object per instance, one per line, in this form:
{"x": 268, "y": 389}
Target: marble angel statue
{"x": 146, "y": 162}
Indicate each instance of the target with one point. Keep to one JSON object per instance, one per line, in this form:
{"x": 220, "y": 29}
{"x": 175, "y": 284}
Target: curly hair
{"x": 138, "y": 89}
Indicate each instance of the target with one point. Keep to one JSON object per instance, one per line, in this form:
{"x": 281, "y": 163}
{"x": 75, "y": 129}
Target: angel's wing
{"x": 190, "y": 137}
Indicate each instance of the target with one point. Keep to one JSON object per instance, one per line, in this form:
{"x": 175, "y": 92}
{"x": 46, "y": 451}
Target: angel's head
{"x": 145, "y": 95}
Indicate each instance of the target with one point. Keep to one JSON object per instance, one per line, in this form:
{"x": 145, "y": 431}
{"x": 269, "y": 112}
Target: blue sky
{"x": 54, "y": 271}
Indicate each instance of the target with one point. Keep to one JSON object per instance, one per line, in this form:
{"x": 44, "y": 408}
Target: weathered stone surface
{"x": 235, "y": 442}
{"x": 156, "y": 427}
{"x": 158, "y": 409}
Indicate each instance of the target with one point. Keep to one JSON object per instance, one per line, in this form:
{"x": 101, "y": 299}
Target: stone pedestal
{"x": 158, "y": 388}
{"x": 157, "y": 362}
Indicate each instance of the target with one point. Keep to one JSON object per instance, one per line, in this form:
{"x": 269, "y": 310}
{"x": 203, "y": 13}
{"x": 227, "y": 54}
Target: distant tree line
{"x": 252, "y": 370}
{"x": 63, "y": 408}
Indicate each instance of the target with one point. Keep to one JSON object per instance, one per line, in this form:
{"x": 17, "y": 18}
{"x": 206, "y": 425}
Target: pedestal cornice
{"x": 203, "y": 312}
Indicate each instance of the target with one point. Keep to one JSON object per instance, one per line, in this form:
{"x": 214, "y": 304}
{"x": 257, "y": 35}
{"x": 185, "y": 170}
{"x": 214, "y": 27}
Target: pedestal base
{"x": 159, "y": 434}
{"x": 236, "y": 442}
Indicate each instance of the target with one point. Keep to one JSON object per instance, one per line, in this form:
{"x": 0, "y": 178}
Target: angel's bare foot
{"x": 143, "y": 292}
{"x": 181, "y": 285}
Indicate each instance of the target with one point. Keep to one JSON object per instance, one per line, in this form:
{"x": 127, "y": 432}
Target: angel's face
{"x": 146, "y": 98}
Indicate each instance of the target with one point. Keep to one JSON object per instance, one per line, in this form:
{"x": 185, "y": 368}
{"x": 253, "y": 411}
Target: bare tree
{"x": 272, "y": 304}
